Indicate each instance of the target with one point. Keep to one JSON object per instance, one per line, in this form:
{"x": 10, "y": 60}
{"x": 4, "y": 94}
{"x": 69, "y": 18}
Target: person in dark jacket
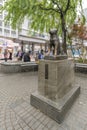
{"x": 10, "y": 55}
{"x": 41, "y": 55}
{"x": 26, "y": 57}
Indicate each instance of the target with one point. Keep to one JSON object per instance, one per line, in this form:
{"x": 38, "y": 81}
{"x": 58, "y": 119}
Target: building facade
{"x": 28, "y": 38}
{"x": 5, "y": 28}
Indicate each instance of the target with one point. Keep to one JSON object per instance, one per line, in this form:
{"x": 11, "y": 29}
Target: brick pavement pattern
{"x": 16, "y": 113}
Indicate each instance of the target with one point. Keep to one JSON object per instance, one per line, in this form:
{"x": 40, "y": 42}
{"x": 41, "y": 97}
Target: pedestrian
{"x": 5, "y": 55}
{"x": 10, "y": 55}
{"x": 26, "y": 57}
{"x": 19, "y": 55}
{"x": 41, "y": 55}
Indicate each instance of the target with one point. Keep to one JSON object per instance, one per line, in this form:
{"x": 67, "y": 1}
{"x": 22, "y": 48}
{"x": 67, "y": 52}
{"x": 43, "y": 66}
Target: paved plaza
{"x": 16, "y": 113}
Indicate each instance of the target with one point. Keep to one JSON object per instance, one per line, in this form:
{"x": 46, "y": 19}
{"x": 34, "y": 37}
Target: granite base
{"x": 55, "y": 109}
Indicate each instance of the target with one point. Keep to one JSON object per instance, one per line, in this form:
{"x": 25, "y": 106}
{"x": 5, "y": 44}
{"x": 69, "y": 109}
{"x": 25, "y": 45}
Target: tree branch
{"x": 59, "y": 9}
{"x": 48, "y": 9}
{"x": 67, "y": 6}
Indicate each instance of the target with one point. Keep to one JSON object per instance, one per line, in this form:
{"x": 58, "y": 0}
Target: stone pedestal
{"x": 55, "y": 78}
{"x": 56, "y": 88}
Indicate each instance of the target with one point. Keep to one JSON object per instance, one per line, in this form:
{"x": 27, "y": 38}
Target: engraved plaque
{"x": 46, "y": 71}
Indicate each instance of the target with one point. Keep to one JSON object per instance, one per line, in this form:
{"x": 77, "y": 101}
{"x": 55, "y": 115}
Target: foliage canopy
{"x": 44, "y": 14}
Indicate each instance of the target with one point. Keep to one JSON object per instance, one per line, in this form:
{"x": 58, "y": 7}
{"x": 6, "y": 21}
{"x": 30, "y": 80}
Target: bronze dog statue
{"x": 54, "y": 42}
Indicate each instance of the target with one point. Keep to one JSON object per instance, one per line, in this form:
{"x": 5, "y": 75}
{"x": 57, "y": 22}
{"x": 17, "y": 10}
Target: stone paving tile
{"x": 45, "y": 122}
{"x": 27, "y": 128}
{"x": 42, "y": 118}
{"x": 35, "y": 125}
{"x": 17, "y": 103}
{"x": 40, "y": 127}
{"x": 20, "y": 129}
{"x": 46, "y": 128}
{"x": 16, "y": 113}
{"x": 28, "y": 120}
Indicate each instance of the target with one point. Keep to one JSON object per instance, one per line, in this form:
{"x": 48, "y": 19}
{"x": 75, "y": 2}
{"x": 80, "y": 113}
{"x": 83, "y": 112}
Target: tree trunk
{"x": 63, "y": 35}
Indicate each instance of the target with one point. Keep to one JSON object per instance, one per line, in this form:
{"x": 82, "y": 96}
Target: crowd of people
{"x": 20, "y": 56}
{"x": 25, "y": 56}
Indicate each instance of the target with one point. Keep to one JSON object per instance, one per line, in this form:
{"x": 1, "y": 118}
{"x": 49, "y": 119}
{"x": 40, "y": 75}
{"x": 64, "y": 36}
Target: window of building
{"x": 1, "y": 16}
{"x": 0, "y": 5}
{"x": 0, "y": 30}
{"x": 7, "y": 25}
{"x": 0, "y": 23}
{"x": 6, "y": 31}
{"x": 5, "y": 14}
{"x": 1, "y": 1}
{"x": 13, "y": 33}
